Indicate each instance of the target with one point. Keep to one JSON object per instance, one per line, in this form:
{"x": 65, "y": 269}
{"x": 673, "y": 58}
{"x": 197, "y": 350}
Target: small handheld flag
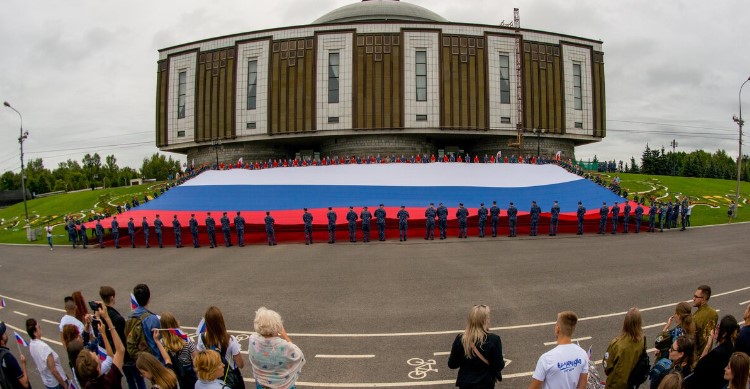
{"x": 133, "y": 303}
{"x": 2, "y": 303}
{"x": 20, "y": 340}
{"x": 201, "y": 326}
{"x": 102, "y": 353}
{"x": 71, "y": 385}
{"x": 177, "y": 332}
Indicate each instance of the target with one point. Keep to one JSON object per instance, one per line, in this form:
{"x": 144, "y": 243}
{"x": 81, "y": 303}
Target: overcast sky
{"x": 83, "y": 73}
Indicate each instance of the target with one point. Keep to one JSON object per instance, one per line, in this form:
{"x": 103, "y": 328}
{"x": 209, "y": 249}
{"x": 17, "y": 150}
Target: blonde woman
{"x": 623, "y": 351}
{"x": 161, "y": 375}
{"x": 180, "y": 351}
{"x": 276, "y": 361}
{"x": 477, "y": 353}
{"x": 210, "y": 370}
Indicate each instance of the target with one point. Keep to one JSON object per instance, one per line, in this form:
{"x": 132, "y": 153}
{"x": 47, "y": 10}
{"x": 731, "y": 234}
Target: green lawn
{"x": 53, "y": 209}
{"x": 710, "y": 196}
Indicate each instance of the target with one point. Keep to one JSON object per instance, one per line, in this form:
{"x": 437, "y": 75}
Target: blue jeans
{"x": 54, "y": 387}
{"x": 133, "y": 376}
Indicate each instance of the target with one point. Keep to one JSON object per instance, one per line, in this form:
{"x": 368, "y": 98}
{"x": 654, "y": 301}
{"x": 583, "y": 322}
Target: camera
{"x": 94, "y": 305}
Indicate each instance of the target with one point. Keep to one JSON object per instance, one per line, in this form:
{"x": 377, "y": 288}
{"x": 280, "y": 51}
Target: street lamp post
{"x": 740, "y": 123}
{"x": 538, "y": 133}
{"x": 22, "y": 137}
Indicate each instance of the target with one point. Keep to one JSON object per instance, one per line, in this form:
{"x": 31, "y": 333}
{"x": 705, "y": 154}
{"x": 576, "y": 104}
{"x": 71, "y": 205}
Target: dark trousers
{"x": 145, "y": 236}
{"x": 482, "y": 224}
{"x": 308, "y": 233}
{"x": 614, "y": 224}
{"x": 461, "y": 229}
{"x": 101, "y": 239}
{"x": 159, "y": 238}
{"x": 512, "y": 224}
{"x": 534, "y": 226}
{"x": 178, "y": 238}
{"x": 241, "y": 236}
{"x": 553, "y": 226}
{"x": 430, "y": 230}
{"x": 637, "y": 224}
{"x": 195, "y": 238}
{"x": 227, "y": 237}
{"x": 132, "y": 239}
{"x": 271, "y": 235}
{"x": 352, "y": 232}
{"x": 625, "y": 222}
{"x": 580, "y": 226}
{"x": 74, "y": 239}
{"x": 366, "y": 232}
{"x": 331, "y": 233}
{"x": 381, "y": 231}
{"x": 602, "y": 224}
{"x": 402, "y": 231}
{"x": 493, "y": 223}
{"x": 116, "y": 236}
{"x": 133, "y": 377}
{"x": 212, "y": 237}
{"x": 651, "y": 224}
{"x": 442, "y": 225}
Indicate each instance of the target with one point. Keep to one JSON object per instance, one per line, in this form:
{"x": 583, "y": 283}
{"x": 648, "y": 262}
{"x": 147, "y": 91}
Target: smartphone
{"x": 94, "y": 305}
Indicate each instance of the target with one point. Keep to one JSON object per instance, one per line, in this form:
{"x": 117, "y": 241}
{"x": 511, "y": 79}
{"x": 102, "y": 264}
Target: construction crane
{"x": 518, "y": 143}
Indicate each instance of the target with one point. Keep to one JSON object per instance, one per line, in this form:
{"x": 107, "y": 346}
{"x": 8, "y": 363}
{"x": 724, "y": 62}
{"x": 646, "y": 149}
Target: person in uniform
{"x": 675, "y": 213}
{"x": 270, "y": 234}
{"x": 651, "y": 217}
{"x": 429, "y": 215}
{"x": 144, "y": 224}
{"x": 177, "y": 232}
{"x": 494, "y": 218}
{"x": 239, "y": 225}
{"x": 84, "y": 236}
{"x": 615, "y": 215}
{"x": 512, "y": 219}
{"x": 351, "y": 218}
{"x": 669, "y": 215}
{"x": 664, "y": 219}
{"x": 380, "y": 216}
{"x": 365, "y": 215}
{"x": 442, "y": 215}
{"x": 226, "y": 230}
{"x": 307, "y": 218}
{"x": 554, "y": 218}
{"x": 331, "y": 225}
{"x": 626, "y": 217}
{"x": 157, "y": 229}
{"x": 482, "y": 213}
{"x": 211, "y": 229}
{"x": 116, "y": 232}
{"x": 603, "y": 212}
{"x": 638, "y": 217}
{"x": 131, "y": 232}
{"x": 683, "y": 213}
{"x": 462, "y": 214}
{"x": 194, "y": 230}
{"x": 72, "y": 233}
{"x": 403, "y": 216}
{"x": 534, "y": 214}
{"x": 100, "y": 233}
{"x": 580, "y": 213}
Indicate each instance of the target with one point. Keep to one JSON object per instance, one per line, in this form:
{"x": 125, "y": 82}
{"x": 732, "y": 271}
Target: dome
{"x": 370, "y": 10}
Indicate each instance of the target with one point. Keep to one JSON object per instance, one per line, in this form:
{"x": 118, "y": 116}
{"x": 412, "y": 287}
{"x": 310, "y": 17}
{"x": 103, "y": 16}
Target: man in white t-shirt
{"x": 70, "y": 318}
{"x": 565, "y": 366}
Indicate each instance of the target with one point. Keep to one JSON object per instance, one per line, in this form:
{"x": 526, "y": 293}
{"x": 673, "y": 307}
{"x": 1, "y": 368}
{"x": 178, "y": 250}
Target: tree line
{"x": 696, "y": 163}
{"x": 89, "y": 173}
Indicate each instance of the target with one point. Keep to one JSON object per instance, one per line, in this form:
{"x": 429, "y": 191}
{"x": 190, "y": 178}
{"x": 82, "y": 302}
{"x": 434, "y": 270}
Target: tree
{"x": 159, "y": 167}
{"x": 633, "y": 166}
{"x": 10, "y": 181}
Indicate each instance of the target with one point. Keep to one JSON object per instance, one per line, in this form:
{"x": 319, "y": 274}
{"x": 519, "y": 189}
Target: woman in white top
{"x": 46, "y": 360}
{"x": 276, "y": 361}
{"x": 216, "y": 338}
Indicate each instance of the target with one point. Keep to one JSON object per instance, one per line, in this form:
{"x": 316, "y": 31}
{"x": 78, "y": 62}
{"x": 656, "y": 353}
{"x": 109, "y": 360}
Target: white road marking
{"x": 20, "y": 313}
{"x": 342, "y": 356}
{"x": 51, "y": 322}
{"x": 441, "y": 353}
{"x": 745, "y": 302}
{"x": 654, "y": 325}
{"x": 43, "y": 338}
{"x": 572, "y": 340}
{"x": 36, "y": 305}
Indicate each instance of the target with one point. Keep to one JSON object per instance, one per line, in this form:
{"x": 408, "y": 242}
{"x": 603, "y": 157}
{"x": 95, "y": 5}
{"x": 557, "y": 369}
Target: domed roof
{"x": 369, "y": 10}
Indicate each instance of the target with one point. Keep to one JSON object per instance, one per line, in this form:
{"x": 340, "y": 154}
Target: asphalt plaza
{"x": 384, "y": 314}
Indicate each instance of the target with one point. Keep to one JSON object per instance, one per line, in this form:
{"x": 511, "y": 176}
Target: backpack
{"x": 4, "y": 381}
{"x": 232, "y": 377}
{"x": 640, "y": 371}
{"x": 185, "y": 374}
{"x": 135, "y": 341}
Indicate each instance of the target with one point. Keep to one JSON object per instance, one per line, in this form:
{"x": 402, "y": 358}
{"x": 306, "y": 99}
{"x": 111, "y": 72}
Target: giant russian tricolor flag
{"x": 286, "y": 191}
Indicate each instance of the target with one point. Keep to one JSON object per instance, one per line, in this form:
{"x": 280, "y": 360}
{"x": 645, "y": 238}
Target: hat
{"x": 2, "y": 328}
{"x": 580, "y": 203}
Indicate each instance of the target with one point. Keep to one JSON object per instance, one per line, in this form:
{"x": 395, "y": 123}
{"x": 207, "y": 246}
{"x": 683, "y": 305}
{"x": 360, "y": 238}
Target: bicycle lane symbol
{"x": 421, "y": 367}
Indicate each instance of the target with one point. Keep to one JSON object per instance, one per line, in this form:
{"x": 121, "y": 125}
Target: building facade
{"x": 379, "y": 77}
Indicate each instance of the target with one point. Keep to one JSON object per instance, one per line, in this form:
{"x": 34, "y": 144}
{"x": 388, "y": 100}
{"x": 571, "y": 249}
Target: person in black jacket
{"x": 132, "y": 376}
{"x": 477, "y": 353}
{"x": 709, "y": 371}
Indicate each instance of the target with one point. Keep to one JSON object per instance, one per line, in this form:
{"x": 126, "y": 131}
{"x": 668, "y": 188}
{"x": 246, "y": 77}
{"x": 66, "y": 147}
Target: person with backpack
{"x": 139, "y": 326}
{"x": 624, "y": 352}
{"x": 133, "y": 378}
{"x": 161, "y": 376}
{"x": 684, "y": 320}
{"x": 12, "y": 374}
{"x": 477, "y": 353}
{"x": 216, "y": 338}
{"x": 678, "y": 359}
{"x": 181, "y": 352}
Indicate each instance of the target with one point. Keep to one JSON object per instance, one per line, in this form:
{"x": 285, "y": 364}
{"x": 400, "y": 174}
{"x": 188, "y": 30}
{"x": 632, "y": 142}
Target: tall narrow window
{"x": 504, "y": 79}
{"x": 333, "y": 77}
{"x": 181, "y": 90}
{"x": 252, "y": 84}
{"x": 421, "y": 74}
{"x": 577, "y": 96}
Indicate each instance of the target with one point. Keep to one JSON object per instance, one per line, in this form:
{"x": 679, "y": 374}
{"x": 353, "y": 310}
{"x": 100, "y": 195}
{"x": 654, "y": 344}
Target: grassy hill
{"x": 711, "y": 197}
{"x": 52, "y": 209}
